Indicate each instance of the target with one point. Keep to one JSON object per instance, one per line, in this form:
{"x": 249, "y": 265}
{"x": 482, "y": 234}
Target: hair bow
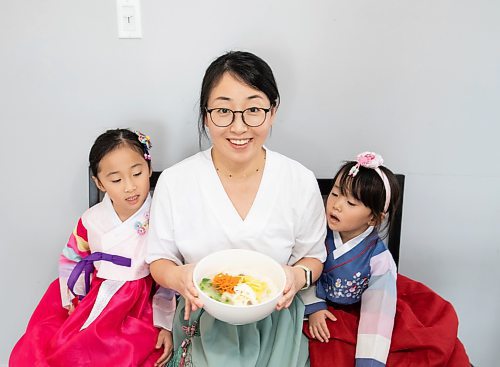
{"x": 368, "y": 160}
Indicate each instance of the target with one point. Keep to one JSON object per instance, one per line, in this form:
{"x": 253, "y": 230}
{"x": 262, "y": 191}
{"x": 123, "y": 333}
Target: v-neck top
{"x": 192, "y": 215}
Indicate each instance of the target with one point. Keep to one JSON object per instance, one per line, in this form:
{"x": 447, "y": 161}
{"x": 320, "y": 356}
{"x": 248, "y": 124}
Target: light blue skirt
{"x": 275, "y": 341}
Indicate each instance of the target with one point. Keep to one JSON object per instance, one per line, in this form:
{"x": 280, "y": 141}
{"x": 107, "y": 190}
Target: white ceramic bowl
{"x": 236, "y": 261}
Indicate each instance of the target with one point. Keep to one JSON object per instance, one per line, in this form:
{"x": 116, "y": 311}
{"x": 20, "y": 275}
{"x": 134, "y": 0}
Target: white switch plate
{"x": 129, "y": 18}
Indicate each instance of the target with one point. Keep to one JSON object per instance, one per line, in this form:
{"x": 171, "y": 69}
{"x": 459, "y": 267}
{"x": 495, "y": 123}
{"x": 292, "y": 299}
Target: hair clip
{"x": 145, "y": 140}
{"x": 368, "y": 160}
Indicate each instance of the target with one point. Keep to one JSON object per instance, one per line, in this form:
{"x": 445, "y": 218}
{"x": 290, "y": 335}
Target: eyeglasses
{"x": 252, "y": 116}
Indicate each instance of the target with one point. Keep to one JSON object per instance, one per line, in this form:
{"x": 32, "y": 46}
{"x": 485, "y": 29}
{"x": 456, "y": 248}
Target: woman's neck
{"x": 228, "y": 168}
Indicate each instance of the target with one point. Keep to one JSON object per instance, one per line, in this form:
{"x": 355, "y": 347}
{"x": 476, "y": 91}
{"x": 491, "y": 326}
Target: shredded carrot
{"x": 225, "y": 283}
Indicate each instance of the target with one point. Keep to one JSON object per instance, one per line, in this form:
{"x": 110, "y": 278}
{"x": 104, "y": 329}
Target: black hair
{"x": 109, "y": 141}
{"x": 244, "y": 66}
{"x": 367, "y": 186}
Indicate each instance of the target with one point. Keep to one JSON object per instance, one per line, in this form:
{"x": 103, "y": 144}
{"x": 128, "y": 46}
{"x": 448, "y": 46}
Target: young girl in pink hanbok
{"x": 105, "y": 309}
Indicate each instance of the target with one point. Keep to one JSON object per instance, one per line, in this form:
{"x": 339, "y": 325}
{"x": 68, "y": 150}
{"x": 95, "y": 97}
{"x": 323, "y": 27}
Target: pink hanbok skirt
{"x": 122, "y": 335}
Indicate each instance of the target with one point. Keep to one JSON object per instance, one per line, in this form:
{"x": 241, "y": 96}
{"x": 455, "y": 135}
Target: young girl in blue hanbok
{"x": 358, "y": 313}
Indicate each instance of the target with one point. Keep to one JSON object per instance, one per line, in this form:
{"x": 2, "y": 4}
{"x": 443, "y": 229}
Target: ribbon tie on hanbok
{"x": 87, "y": 265}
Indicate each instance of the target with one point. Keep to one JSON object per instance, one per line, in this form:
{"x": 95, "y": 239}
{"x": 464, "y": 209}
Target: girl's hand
{"x": 295, "y": 280}
{"x": 317, "y": 325}
{"x": 70, "y": 308}
{"x": 187, "y": 289}
{"x": 165, "y": 339}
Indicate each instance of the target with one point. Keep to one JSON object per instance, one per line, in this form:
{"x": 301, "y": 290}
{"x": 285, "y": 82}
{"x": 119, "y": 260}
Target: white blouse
{"x": 192, "y": 216}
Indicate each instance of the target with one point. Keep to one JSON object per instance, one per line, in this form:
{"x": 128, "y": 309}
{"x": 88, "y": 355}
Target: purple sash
{"x": 87, "y": 265}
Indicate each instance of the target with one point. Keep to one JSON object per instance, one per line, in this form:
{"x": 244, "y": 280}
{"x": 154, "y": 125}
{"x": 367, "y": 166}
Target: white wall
{"x": 417, "y": 81}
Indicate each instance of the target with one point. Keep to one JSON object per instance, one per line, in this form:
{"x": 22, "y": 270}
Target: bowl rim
{"x": 279, "y": 291}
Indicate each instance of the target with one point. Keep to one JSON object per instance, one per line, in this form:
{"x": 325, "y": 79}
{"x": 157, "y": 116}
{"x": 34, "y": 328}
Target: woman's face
{"x": 238, "y": 142}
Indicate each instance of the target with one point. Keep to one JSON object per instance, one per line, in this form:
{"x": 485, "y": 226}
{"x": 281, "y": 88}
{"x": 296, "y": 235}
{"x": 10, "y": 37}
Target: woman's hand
{"x": 317, "y": 325}
{"x": 187, "y": 289}
{"x": 165, "y": 340}
{"x": 295, "y": 280}
{"x": 179, "y": 278}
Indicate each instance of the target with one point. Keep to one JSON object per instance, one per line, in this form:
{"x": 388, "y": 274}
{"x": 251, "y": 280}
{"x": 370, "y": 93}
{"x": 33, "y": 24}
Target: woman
{"x": 238, "y": 194}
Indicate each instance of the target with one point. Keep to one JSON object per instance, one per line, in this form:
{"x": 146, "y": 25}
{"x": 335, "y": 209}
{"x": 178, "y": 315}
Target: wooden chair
{"x": 325, "y": 185}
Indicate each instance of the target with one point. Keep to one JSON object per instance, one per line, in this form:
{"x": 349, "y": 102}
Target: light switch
{"x": 129, "y": 18}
